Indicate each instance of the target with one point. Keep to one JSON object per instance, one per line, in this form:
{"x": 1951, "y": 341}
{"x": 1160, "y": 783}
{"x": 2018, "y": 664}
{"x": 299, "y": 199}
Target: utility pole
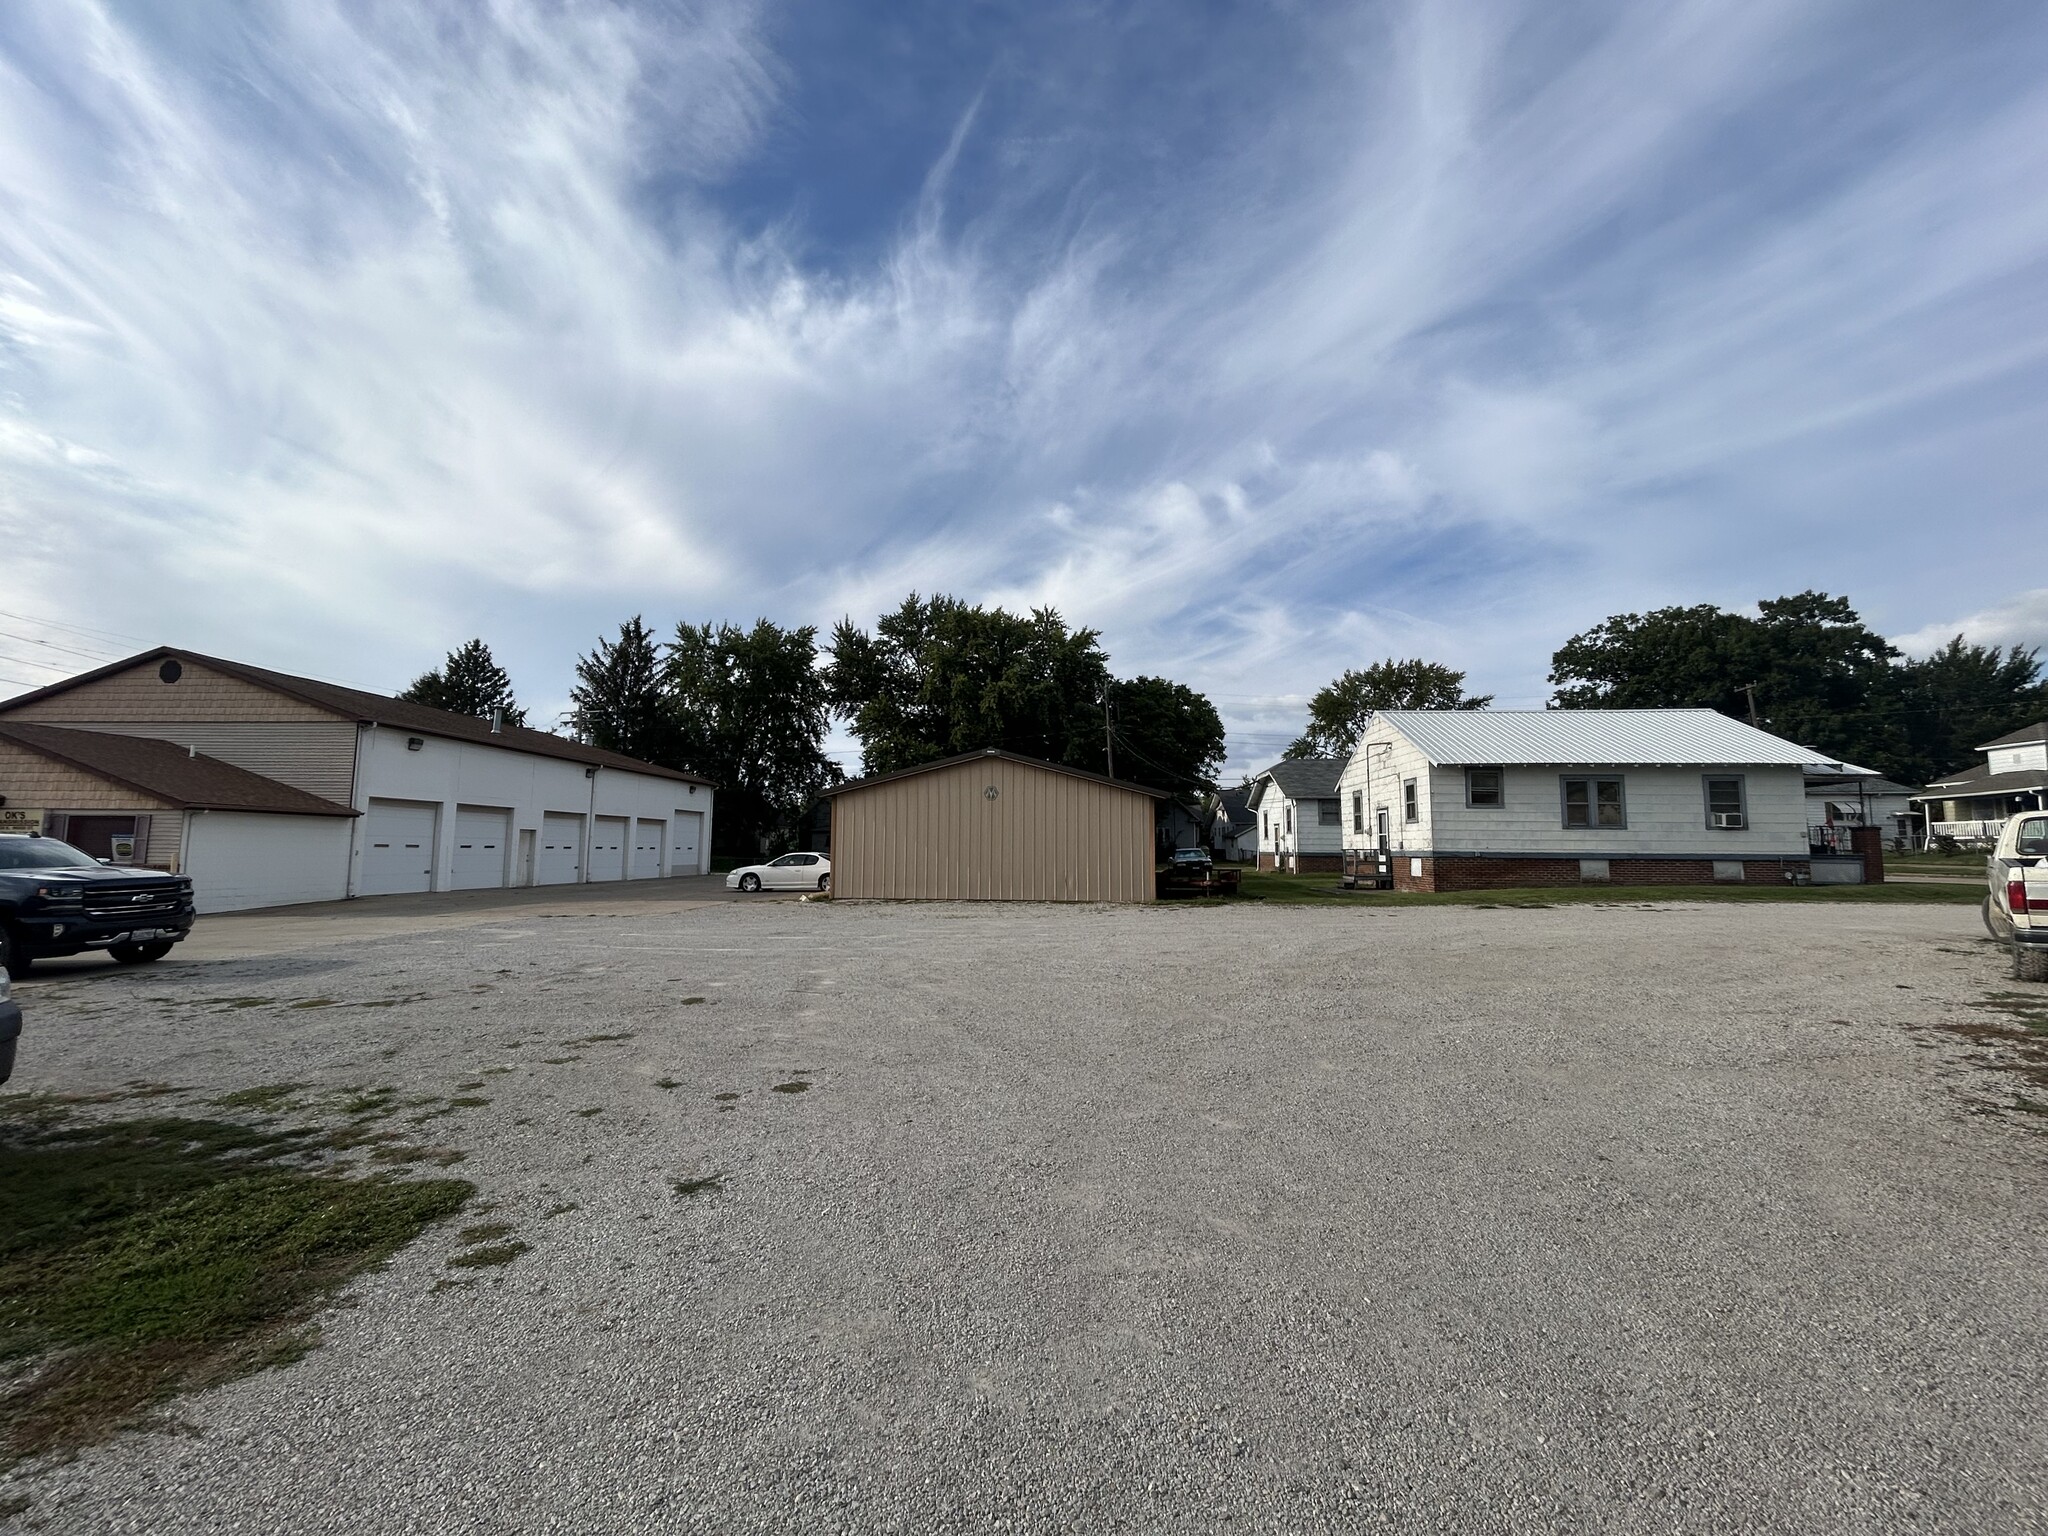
{"x": 1108, "y": 736}
{"x": 1750, "y": 689}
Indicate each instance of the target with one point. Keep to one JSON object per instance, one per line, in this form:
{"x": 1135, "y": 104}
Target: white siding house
{"x": 1299, "y": 824}
{"x": 294, "y": 790}
{"x": 1467, "y": 799}
{"x": 1973, "y": 805}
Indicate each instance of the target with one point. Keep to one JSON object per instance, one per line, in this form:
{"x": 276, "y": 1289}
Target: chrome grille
{"x": 120, "y": 902}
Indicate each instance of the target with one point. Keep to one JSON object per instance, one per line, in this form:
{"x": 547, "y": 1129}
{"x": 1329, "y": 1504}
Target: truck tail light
{"x": 2016, "y": 897}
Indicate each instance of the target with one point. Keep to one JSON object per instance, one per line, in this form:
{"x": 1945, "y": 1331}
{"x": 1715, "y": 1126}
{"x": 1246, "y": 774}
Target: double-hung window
{"x": 1594, "y": 802}
{"x": 1329, "y": 813}
{"x": 1411, "y": 803}
{"x": 1287, "y": 816}
{"x": 1483, "y": 788}
{"x": 1358, "y": 810}
{"x": 1727, "y": 802}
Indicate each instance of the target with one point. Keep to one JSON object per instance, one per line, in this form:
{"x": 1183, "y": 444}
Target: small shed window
{"x": 1329, "y": 813}
{"x": 1483, "y": 787}
{"x": 1594, "y": 802}
{"x": 1358, "y": 810}
{"x": 1287, "y": 817}
{"x": 1411, "y": 803}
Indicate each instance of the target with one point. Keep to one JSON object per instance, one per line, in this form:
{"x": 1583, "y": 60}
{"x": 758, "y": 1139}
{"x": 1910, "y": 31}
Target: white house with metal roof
{"x": 1468, "y": 799}
{"x": 1299, "y": 824}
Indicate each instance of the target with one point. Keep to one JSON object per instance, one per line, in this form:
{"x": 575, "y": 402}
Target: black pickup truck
{"x": 55, "y": 901}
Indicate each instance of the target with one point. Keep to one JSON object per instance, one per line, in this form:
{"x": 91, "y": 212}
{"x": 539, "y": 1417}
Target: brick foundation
{"x": 1269, "y": 861}
{"x": 1869, "y": 841}
{"x": 1482, "y": 874}
{"x": 1319, "y": 863}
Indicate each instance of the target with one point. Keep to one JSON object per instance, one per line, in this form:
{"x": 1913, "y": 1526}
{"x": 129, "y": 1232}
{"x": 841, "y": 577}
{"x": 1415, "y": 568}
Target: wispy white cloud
{"x": 339, "y": 330}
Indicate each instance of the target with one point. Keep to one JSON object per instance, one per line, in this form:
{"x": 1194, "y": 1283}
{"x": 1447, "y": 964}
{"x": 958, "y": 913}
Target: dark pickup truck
{"x": 55, "y": 901}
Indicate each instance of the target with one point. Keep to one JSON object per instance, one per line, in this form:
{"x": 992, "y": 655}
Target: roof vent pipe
{"x": 192, "y": 750}
{"x": 498, "y": 721}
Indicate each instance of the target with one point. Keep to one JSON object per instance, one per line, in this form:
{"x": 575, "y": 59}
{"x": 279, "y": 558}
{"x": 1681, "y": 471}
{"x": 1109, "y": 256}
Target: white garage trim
{"x": 688, "y": 858}
{"x": 482, "y": 845}
{"x": 243, "y": 859}
{"x": 561, "y": 850}
{"x": 398, "y": 847}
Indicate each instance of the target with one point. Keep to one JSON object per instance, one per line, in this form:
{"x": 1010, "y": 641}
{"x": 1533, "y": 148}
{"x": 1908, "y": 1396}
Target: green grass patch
{"x": 1324, "y": 891}
{"x": 488, "y": 1256}
{"x": 270, "y": 1096}
{"x": 147, "y": 1257}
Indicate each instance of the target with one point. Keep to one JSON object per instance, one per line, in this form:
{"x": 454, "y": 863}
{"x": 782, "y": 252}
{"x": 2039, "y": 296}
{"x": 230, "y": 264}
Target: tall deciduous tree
{"x": 619, "y": 701}
{"x": 1167, "y": 735}
{"x": 939, "y": 677}
{"x": 1337, "y": 714}
{"x": 751, "y": 708}
{"x": 469, "y": 682}
{"x": 1810, "y": 668}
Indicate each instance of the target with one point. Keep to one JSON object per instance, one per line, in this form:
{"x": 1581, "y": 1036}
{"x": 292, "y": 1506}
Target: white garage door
{"x": 481, "y": 837}
{"x": 608, "y": 847}
{"x": 398, "y": 847}
{"x": 647, "y": 836}
{"x": 689, "y": 832}
{"x": 561, "y": 850}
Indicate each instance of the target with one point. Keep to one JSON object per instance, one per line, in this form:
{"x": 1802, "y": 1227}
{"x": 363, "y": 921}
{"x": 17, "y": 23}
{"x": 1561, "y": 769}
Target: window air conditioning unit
{"x": 1729, "y": 819}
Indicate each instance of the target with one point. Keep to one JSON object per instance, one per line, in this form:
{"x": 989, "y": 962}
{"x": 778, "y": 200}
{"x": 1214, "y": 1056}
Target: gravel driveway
{"x": 1629, "y": 1218}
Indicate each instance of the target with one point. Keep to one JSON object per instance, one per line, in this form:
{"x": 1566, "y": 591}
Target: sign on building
{"x": 15, "y": 820}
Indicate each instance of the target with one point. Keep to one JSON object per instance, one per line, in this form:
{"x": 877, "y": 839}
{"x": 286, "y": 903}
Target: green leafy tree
{"x": 939, "y": 677}
{"x": 751, "y": 708}
{"x": 1167, "y": 735}
{"x": 620, "y": 700}
{"x": 469, "y": 682}
{"x": 1807, "y": 665}
{"x": 1337, "y": 714}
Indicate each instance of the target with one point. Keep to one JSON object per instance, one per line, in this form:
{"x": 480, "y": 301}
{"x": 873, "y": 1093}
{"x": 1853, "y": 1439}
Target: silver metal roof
{"x": 1596, "y": 737}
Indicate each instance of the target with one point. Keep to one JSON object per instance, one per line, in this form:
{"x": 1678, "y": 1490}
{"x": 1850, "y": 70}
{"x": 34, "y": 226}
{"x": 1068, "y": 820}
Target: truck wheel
{"x": 139, "y": 954}
{"x": 2030, "y": 964}
{"x": 12, "y": 958}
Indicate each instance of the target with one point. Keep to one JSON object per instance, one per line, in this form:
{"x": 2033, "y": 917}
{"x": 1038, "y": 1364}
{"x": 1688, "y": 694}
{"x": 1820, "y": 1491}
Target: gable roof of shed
{"x": 375, "y": 709}
{"x": 167, "y": 771}
{"x": 1008, "y": 757}
{"x": 1595, "y": 737}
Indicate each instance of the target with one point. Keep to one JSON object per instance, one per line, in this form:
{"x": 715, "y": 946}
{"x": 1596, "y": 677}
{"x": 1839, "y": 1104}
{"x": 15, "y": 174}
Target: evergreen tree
{"x": 469, "y": 682}
{"x": 620, "y": 701}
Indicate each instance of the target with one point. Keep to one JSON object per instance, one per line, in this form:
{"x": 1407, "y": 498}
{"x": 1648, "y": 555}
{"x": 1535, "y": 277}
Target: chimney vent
{"x": 498, "y": 721}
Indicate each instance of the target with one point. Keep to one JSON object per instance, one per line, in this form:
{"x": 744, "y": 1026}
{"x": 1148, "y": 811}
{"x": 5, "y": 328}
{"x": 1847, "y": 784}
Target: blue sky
{"x": 1269, "y": 339}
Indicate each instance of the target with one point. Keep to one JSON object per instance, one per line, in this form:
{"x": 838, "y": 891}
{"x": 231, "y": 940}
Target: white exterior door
{"x": 398, "y": 847}
{"x": 481, "y": 839}
{"x": 608, "y": 847}
{"x": 561, "y": 850}
{"x": 689, "y": 839}
{"x": 647, "y": 840}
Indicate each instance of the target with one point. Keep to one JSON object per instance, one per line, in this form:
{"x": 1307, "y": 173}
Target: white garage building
{"x": 385, "y": 796}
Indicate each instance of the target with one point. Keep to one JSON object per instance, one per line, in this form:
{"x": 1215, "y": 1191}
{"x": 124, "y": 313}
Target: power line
{"x": 82, "y": 629}
{"x": 53, "y": 645}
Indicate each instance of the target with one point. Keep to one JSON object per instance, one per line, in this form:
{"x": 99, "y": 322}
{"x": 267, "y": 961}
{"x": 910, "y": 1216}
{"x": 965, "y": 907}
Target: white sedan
{"x": 791, "y": 872}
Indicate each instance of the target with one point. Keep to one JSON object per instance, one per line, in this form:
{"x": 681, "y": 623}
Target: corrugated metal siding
{"x": 1044, "y": 837}
{"x": 1591, "y": 737}
{"x": 316, "y": 756}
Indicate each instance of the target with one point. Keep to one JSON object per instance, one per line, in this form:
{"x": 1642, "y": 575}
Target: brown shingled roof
{"x": 379, "y": 709}
{"x": 168, "y": 771}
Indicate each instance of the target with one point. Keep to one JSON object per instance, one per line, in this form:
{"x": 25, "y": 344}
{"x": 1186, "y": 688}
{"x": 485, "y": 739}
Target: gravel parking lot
{"x": 1618, "y": 1218}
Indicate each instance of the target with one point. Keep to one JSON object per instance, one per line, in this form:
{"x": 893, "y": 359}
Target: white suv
{"x": 2016, "y": 909}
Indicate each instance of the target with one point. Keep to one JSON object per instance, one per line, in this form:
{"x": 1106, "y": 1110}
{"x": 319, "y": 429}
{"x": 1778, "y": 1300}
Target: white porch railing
{"x": 1966, "y": 831}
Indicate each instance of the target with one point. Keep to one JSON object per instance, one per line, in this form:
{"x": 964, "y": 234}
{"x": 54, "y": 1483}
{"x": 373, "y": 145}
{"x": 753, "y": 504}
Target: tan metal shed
{"x": 992, "y": 826}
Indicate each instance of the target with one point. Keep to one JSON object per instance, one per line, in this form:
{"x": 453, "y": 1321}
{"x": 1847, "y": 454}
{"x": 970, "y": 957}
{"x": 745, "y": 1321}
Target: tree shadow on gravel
{"x": 147, "y": 1257}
